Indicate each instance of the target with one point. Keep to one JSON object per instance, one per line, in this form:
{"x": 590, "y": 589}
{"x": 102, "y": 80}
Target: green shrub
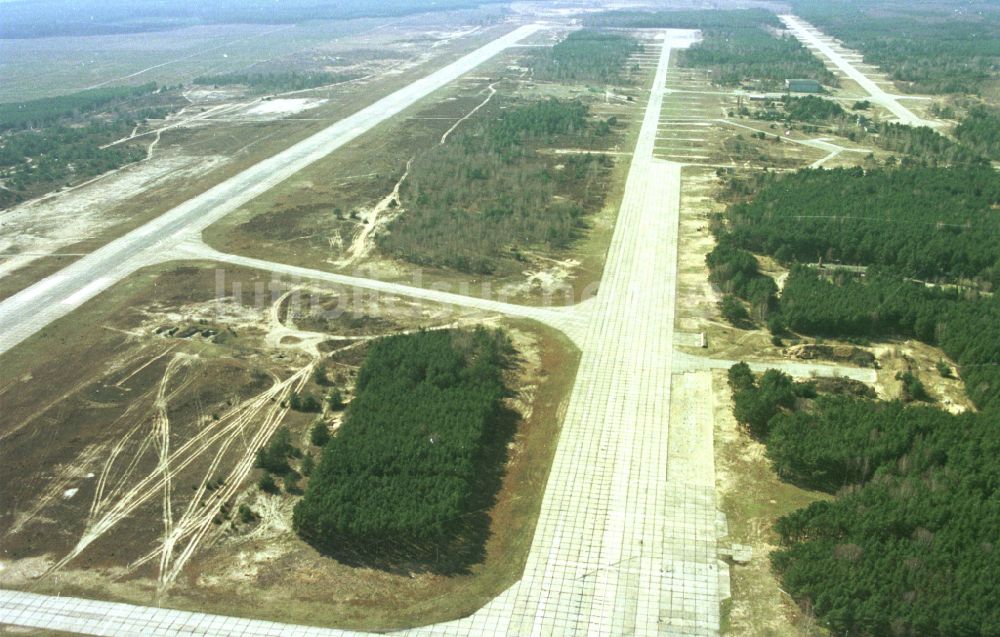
{"x": 335, "y": 400}
{"x": 306, "y": 403}
{"x": 274, "y": 457}
{"x": 319, "y": 434}
{"x": 913, "y": 389}
{"x": 247, "y": 514}
{"x": 944, "y": 369}
{"x": 267, "y": 483}
{"x": 319, "y": 376}
{"x": 733, "y": 311}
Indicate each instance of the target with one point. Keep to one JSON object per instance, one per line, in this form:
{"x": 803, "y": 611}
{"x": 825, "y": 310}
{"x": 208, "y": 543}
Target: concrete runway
{"x": 31, "y": 309}
{"x": 621, "y": 546}
{"x": 627, "y": 536}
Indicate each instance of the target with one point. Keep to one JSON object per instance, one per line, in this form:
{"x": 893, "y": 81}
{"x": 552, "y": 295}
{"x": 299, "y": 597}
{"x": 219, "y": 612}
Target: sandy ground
{"x": 752, "y": 498}
{"x": 546, "y": 276}
{"x": 919, "y": 359}
{"x": 284, "y": 106}
{"x": 373, "y": 221}
{"x": 164, "y": 426}
{"x": 43, "y": 226}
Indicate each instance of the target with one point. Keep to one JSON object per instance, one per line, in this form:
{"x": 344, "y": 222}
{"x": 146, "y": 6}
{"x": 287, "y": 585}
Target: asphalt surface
{"x": 31, "y": 309}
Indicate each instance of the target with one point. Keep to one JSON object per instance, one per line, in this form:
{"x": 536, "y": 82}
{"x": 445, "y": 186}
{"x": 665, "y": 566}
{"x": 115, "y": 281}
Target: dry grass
{"x": 61, "y": 435}
{"x": 297, "y": 222}
{"x": 243, "y": 144}
{"x": 752, "y": 497}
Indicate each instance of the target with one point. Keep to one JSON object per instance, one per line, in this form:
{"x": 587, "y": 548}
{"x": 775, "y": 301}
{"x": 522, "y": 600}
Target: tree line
{"x": 920, "y": 144}
{"x": 276, "y": 81}
{"x": 739, "y": 45}
{"x": 586, "y": 55}
{"x": 908, "y": 547}
{"x": 924, "y": 222}
{"x": 418, "y": 453}
{"x": 475, "y": 203}
{"x": 46, "y": 110}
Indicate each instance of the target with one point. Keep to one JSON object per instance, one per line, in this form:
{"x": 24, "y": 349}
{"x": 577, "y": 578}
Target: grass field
{"x": 41, "y": 67}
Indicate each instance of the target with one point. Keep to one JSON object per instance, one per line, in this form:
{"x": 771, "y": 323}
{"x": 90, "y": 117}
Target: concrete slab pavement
{"x": 626, "y": 541}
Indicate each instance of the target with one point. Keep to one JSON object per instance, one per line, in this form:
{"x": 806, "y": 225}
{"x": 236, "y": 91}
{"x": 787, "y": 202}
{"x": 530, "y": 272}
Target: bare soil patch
{"x": 752, "y": 497}
{"x": 327, "y": 215}
{"x": 128, "y": 469}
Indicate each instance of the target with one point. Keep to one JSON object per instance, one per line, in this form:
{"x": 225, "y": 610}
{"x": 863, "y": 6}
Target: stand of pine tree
{"x": 413, "y": 470}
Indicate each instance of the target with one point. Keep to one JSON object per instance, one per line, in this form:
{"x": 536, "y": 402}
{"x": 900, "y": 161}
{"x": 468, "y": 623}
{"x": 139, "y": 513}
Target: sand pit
{"x": 284, "y": 106}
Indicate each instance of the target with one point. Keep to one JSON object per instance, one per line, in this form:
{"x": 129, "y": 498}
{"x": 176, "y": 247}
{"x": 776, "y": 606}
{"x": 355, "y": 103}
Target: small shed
{"x": 802, "y": 86}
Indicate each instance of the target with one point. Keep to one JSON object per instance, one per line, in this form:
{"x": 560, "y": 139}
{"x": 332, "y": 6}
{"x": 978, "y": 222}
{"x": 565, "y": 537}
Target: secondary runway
{"x": 31, "y": 309}
{"x": 809, "y": 35}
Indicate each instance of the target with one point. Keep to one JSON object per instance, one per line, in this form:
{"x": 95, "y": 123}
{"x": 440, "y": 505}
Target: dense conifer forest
{"x": 738, "y": 46}
{"x": 417, "y": 461}
{"x": 587, "y": 55}
{"x": 908, "y": 546}
{"x": 980, "y": 130}
{"x": 926, "y": 46}
{"x": 474, "y": 203}
{"x": 924, "y": 222}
